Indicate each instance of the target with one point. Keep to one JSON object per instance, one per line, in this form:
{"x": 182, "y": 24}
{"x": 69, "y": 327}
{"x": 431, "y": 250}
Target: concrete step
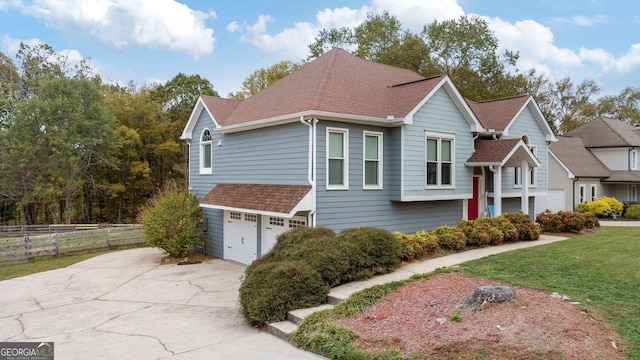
{"x": 297, "y": 315}
{"x": 282, "y": 329}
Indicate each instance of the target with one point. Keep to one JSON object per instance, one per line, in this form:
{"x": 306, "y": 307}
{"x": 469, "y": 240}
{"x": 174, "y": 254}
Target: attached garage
{"x": 254, "y": 216}
{"x": 554, "y": 201}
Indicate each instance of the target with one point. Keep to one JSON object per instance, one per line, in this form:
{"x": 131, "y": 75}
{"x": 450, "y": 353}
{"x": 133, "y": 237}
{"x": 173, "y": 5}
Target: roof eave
{"x": 290, "y": 118}
{"x": 187, "y": 132}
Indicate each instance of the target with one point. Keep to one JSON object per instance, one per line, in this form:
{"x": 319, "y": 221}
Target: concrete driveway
{"x": 125, "y": 305}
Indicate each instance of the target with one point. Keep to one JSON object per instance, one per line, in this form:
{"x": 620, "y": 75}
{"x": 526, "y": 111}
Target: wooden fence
{"x": 21, "y": 243}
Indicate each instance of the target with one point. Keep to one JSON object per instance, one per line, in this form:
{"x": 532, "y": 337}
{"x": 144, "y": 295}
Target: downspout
{"x": 311, "y": 170}
{"x": 497, "y": 190}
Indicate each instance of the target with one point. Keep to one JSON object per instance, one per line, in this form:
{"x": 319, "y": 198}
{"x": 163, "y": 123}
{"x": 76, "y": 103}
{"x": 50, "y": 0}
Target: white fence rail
{"x": 21, "y": 243}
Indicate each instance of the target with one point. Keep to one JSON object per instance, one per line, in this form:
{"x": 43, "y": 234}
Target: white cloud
{"x": 414, "y": 14}
{"x": 8, "y": 4}
{"x": 234, "y": 27}
{"x": 341, "y": 17}
{"x": 160, "y": 24}
{"x": 290, "y": 43}
{"x": 581, "y": 20}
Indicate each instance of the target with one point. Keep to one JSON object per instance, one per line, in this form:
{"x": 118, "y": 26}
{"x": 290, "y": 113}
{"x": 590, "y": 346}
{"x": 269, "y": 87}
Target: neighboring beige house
{"x": 597, "y": 159}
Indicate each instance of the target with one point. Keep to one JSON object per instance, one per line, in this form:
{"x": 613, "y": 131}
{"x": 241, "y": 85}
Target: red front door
{"x": 472, "y": 212}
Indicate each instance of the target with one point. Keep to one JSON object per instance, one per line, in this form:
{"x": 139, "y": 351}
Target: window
{"x": 234, "y": 215}
{"x": 276, "y": 221}
{"x": 633, "y": 160}
{"x": 634, "y": 193}
{"x": 205, "y": 152}
{"x": 372, "y": 160}
{"x": 251, "y": 217}
{"x": 337, "y": 159}
{"x": 533, "y": 171}
{"x": 296, "y": 223}
{"x": 439, "y": 160}
{"x": 593, "y": 194}
{"x": 582, "y": 193}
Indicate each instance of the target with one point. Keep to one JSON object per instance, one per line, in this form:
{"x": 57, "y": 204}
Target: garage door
{"x": 273, "y": 226}
{"x": 241, "y": 237}
{"x": 554, "y": 201}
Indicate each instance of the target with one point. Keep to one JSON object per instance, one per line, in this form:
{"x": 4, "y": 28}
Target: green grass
{"x": 600, "y": 270}
{"x": 603, "y": 267}
{"x": 45, "y": 263}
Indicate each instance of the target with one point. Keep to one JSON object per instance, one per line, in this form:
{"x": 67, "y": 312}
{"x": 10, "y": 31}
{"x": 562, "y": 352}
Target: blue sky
{"x": 225, "y": 41}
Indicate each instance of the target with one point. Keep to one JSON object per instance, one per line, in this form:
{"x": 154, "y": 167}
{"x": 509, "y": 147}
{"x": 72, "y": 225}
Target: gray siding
{"x": 342, "y": 209}
{"x": 275, "y": 155}
{"x": 439, "y": 114}
{"x": 559, "y": 180}
{"x": 526, "y": 124}
{"x": 512, "y": 205}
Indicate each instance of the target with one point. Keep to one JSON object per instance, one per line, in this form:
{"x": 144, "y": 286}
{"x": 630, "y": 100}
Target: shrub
{"x": 549, "y": 222}
{"x": 527, "y": 230}
{"x": 475, "y": 232}
{"x": 633, "y": 211}
{"x": 509, "y": 231}
{"x": 450, "y": 238}
{"x": 171, "y": 221}
{"x": 616, "y": 206}
{"x": 277, "y": 287}
{"x": 416, "y": 246}
{"x": 564, "y": 221}
{"x": 597, "y": 207}
{"x": 370, "y": 251}
{"x": 590, "y": 220}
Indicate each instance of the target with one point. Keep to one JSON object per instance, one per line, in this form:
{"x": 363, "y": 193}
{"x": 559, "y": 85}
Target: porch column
{"x": 524, "y": 178}
{"x": 497, "y": 191}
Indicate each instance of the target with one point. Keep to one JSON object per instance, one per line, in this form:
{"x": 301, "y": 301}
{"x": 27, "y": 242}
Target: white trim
{"x": 456, "y": 97}
{"x": 633, "y": 159}
{"x": 206, "y": 170}
{"x": 325, "y": 115}
{"x": 537, "y": 115}
{"x": 187, "y": 133}
{"x": 593, "y": 192}
{"x": 345, "y": 155}
{"x": 582, "y": 193}
{"x": 412, "y": 198}
{"x": 379, "y": 136}
{"x": 306, "y": 204}
{"x": 439, "y": 136}
{"x": 518, "y": 194}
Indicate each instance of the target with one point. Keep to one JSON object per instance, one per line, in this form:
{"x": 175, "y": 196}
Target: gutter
{"x": 311, "y": 170}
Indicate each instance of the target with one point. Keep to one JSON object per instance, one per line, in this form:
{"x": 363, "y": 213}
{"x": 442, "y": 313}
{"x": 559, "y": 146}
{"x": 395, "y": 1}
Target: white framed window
{"x": 593, "y": 192}
{"x": 440, "y": 155}
{"x": 296, "y": 223}
{"x": 276, "y": 221}
{"x": 533, "y": 172}
{"x": 582, "y": 193}
{"x": 251, "y": 217}
{"x": 205, "y": 152}
{"x": 337, "y": 159}
{"x": 633, "y": 159}
{"x": 372, "y": 158}
{"x": 633, "y": 196}
{"x": 234, "y": 215}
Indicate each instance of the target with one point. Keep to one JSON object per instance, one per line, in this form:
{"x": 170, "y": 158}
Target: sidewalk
{"x": 284, "y": 329}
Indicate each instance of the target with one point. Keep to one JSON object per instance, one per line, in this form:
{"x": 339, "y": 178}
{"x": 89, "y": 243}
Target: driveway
{"x": 125, "y": 305}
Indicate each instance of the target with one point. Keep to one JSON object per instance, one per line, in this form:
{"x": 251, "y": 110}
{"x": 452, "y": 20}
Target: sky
{"x": 151, "y": 41}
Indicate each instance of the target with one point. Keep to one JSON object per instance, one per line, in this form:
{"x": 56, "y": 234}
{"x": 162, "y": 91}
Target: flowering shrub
{"x": 602, "y": 207}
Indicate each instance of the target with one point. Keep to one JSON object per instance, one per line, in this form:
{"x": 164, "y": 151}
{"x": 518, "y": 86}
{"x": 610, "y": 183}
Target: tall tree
{"x": 179, "y": 95}
{"x": 261, "y": 78}
{"x": 624, "y": 106}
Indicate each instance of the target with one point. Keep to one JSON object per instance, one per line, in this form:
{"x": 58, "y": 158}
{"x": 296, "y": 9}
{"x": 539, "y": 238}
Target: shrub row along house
{"x": 343, "y": 142}
{"x": 599, "y": 158}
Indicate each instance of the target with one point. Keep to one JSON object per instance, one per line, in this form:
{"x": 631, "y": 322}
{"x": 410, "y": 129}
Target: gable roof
{"x": 278, "y": 200}
{"x": 502, "y": 152}
{"x": 606, "y": 132}
{"x": 577, "y": 158}
{"x": 499, "y": 114}
{"x": 336, "y": 85}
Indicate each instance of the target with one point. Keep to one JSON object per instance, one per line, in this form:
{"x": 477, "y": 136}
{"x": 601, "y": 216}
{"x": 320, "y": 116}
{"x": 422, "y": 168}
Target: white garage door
{"x": 554, "y": 201}
{"x": 273, "y": 226}
{"x": 241, "y": 237}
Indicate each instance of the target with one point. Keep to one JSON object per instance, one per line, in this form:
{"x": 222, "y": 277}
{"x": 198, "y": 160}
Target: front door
{"x": 474, "y": 202}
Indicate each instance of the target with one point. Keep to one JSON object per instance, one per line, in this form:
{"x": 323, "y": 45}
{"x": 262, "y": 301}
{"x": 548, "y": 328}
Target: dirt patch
{"x": 192, "y": 256}
{"x": 419, "y": 318}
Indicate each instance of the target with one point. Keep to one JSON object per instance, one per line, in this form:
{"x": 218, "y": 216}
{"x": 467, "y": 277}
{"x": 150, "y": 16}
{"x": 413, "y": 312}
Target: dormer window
{"x": 205, "y": 152}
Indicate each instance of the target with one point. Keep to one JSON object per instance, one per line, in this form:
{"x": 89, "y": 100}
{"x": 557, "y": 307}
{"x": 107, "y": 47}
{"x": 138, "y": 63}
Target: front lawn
{"x": 599, "y": 270}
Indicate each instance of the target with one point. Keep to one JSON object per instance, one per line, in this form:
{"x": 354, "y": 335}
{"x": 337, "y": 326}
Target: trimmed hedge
{"x": 371, "y": 251}
{"x": 527, "y": 230}
{"x": 633, "y": 212}
{"x": 566, "y": 221}
{"x": 416, "y": 246}
{"x": 450, "y": 238}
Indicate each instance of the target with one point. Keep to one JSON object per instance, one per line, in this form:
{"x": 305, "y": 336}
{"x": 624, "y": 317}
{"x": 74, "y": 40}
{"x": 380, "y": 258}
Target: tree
{"x": 464, "y": 48}
{"x": 564, "y": 104}
{"x": 624, "y": 106}
{"x": 261, "y": 78}
{"x": 180, "y": 94}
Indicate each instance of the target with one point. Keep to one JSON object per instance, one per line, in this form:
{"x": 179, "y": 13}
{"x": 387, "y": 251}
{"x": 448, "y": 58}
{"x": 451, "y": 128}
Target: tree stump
{"x": 483, "y": 296}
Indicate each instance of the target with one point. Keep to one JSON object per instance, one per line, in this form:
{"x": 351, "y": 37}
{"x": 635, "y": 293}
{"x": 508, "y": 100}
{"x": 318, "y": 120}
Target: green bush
{"x": 416, "y": 246}
{"x": 475, "y": 232}
{"x": 450, "y": 238}
{"x": 171, "y": 220}
{"x": 509, "y": 231}
{"x": 527, "y": 230}
{"x": 590, "y": 220}
{"x": 565, "y": 221}
{"x": 597, "y": 207}
{"x": 633, "y": 212}
{"x": 370, "y": 251}
{"x": 275, "y": 288}
{"x": 615, "y": 205}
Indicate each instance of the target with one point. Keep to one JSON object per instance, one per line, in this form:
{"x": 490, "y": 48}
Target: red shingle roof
{"x": 336, "y": 82}
{"x": 492, "y": 151}
{"x": 259, "y": 197}
{"x": 497, "y": 114}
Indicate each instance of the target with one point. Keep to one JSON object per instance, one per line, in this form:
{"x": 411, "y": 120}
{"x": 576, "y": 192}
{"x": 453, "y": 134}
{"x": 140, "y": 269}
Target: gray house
{"x": 597, "y": 159}
{"x": 343, "y": 142}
